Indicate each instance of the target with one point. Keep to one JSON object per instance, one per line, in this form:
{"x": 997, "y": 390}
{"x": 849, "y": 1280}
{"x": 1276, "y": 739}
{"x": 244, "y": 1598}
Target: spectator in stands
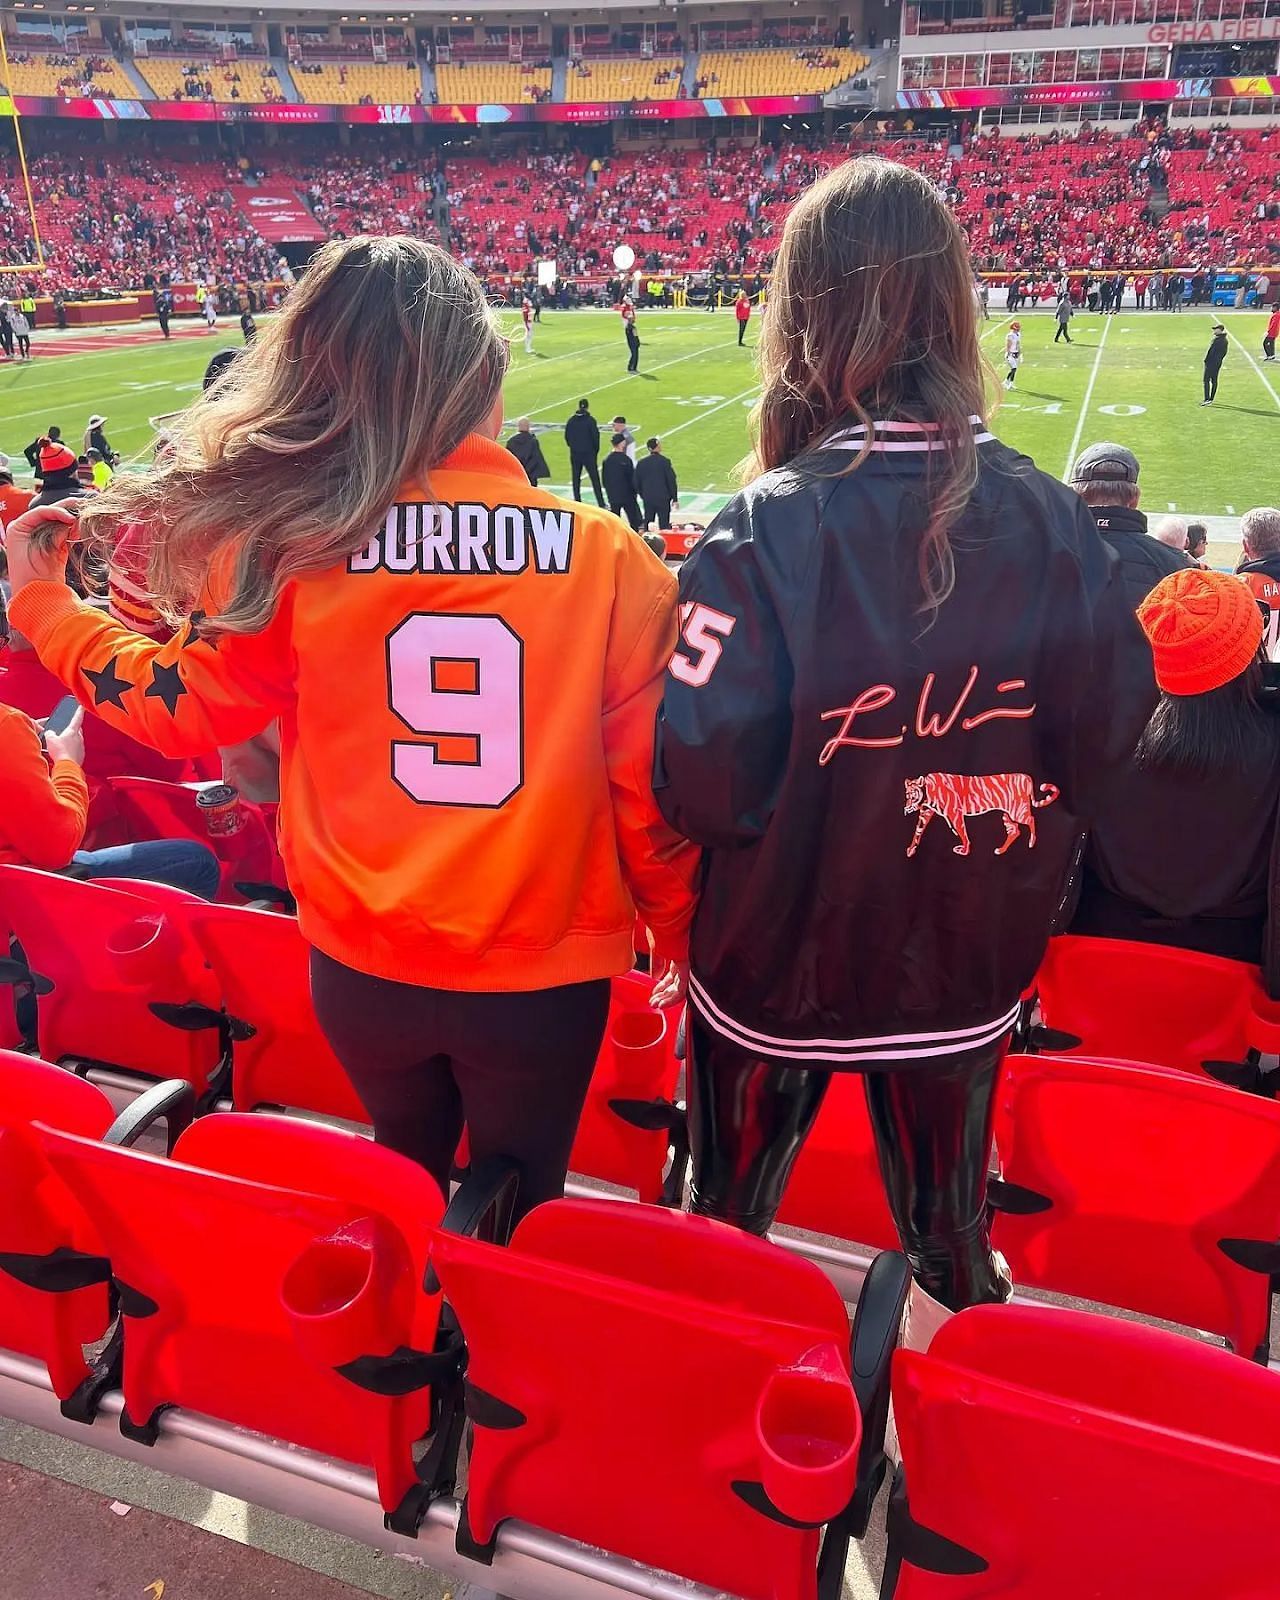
{"x": 1197, "y": 543}
{"x": 822, "y": 684}
{"x": 460, "y": 970}
{"x": 13, "y": 501}
{"x": 1173, "y": 532}
{"x": 582, "y": 435}
{"x": 1260, "y": 569}
{"x": 524, "y": 446}
{"x": 46, "y": 806}
{"x": 620, "y": 482}
{"x": 1105, "y": 476}
{"x": 58, "y": 475}
{"x": 656, "y": 485}
{"x": 1210, "y": 750}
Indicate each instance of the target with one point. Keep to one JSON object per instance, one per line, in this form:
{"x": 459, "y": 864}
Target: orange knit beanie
{"x": 1204, "y": 628}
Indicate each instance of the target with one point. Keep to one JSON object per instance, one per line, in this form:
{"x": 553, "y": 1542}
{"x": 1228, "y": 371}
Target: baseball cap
{"x": 1204, "y": 628}
{"x": 1110, "y": 463}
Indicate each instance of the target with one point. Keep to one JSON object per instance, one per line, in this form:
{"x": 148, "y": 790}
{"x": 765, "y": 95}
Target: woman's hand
{"x": 669, "y": 984}
{"x": 44, "y": 559}
{"x": 69, "y": 744}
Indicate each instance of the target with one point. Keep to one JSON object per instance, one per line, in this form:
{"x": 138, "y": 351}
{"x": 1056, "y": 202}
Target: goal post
{"x": 9, "y": 116}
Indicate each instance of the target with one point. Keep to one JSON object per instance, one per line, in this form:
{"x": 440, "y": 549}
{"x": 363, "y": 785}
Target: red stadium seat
{"x": 678, "y": 1393}
{"x": 630, "y": 1119}
{"x": 270, "y": 1276}
{"x": 1050, "y": 1455}
{"x": 279, "y": 1055}
{"x": 53, "y": 1278}
{"x": 118, "y": 980}
{"x": 1146, "y": 1190}
{"x": 835, "y": 1186}
{"x": 153, "y": 809}
{"x": 1155, "y": 1003}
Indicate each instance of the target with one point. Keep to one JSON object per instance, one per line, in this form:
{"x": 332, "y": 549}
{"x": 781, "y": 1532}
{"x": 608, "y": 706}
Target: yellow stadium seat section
{"x": 797, "y": 69}
{"x": 630, "y": 79}
{"x": 503, "y": 83}
{"x": 166, "y": 77}
{"x": 37, "y": 76}
{"x": 347, "y": 83}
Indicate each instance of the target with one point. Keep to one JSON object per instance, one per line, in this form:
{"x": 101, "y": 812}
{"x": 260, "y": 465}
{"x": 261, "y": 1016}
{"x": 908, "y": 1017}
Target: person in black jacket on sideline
{"x": 32, "y": 452}
{"x": 620, "y": 482}
{"x": 1105, "y": 477}
{"x": 524, "y": 446}
{"x": 905, "y": 672}
{"x": 582, "y": 435}
{"x": 1211, "y": 751}
{"x": 1214, "y": 356}
{"x": 656, "y": 484}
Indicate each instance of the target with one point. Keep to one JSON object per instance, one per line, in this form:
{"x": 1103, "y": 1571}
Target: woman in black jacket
{"x": 905, "y": 667}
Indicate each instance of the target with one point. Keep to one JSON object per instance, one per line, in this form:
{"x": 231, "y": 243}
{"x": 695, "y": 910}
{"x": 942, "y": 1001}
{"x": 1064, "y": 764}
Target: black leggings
{"x": 1211, "y": 383}
{"x": 749, "y": 1117}
{"x": 513, "y": 1066}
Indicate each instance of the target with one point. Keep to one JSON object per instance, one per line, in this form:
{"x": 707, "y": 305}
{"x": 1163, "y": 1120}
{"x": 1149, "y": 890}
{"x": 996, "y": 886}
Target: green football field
{"x": 1134, "y": 378}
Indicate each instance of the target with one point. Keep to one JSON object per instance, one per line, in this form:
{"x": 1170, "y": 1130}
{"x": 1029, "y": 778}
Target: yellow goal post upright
{"x": 9, "y": 112}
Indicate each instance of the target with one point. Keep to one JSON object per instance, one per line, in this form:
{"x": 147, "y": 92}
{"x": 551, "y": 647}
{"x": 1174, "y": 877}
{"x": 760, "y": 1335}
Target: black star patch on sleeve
{"x": 194, "y": 635}
{"x": 108, "y": 686}
{"x": 167, "y": 685}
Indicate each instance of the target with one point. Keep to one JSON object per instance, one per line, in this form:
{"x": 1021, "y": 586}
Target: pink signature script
{"x": 929, "y": 723}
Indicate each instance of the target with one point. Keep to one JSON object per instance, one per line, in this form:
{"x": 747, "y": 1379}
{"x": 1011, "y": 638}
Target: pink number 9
{"x": 457, "y": 681}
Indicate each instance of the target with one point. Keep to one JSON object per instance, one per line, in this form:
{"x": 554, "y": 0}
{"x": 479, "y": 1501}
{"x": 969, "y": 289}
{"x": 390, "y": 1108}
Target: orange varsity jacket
{"x": 43, "y": 811}
{"x": 467, "y": 709}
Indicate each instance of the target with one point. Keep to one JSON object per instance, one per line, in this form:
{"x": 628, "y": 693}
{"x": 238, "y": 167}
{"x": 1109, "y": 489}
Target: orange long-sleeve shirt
{"x": 42, "y": 810}
{"x": 467, "y": 709}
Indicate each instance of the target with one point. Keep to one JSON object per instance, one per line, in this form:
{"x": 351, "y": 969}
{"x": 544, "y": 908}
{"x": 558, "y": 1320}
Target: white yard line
{"x": 1088, "y": 396}
{"x": 734, "y": 399}
{"x": 626, "y": 377}
{"x": 995, "y": 327}
{"x": 1262, "y": 377}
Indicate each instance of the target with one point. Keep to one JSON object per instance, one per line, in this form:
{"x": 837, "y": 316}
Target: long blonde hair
{"x": 384, "y": 358}
{"x": 871, "y": 315}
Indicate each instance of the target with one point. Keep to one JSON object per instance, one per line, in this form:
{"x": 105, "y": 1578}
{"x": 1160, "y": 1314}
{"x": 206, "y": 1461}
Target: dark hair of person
{"x": 1213, "y": 735}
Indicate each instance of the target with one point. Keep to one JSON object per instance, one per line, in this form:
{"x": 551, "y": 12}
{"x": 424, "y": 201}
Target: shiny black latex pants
{"x": 749, "y": 1117}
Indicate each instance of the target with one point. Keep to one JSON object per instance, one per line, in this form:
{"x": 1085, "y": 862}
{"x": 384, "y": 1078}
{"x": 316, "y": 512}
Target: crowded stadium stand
{"x": 812, "y": 69}
{"x": 1074, "y": 200}
{"x": 605, "y": 78}
{"x": 492, "y": 82}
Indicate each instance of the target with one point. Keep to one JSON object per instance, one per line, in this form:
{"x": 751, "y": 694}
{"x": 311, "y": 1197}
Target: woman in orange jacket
{"x": 466, "y": 672}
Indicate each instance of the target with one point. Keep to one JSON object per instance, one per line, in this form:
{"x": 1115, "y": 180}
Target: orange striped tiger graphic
{"x": 953, "y": 797}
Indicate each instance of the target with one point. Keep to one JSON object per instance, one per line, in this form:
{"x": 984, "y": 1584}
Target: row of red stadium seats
{"x": 1093, "y": 1179}
{"x": 265, "y": 1276}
